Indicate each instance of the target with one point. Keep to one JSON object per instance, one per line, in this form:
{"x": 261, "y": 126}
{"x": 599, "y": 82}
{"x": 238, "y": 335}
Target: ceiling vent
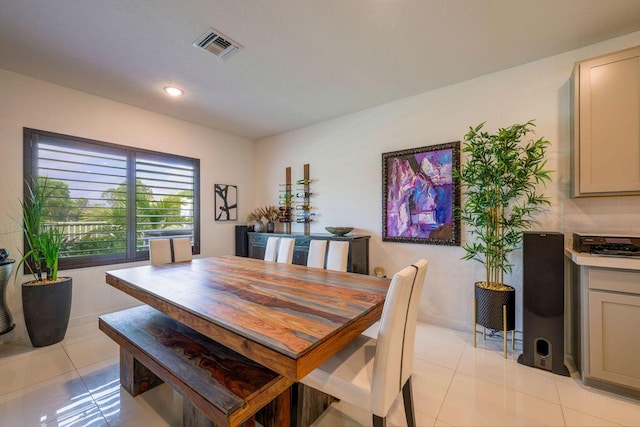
{"x": 218, "y": 44}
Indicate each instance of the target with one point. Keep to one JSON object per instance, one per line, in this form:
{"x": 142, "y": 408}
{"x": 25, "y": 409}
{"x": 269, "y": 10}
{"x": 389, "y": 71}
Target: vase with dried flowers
{"x": 270, "y": 213}
{"x": 254, "y": 219}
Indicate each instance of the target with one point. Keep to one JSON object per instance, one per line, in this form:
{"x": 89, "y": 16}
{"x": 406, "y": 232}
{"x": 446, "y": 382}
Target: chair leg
{"x": 379, "y": 421}
{"x": 407, "y": 397}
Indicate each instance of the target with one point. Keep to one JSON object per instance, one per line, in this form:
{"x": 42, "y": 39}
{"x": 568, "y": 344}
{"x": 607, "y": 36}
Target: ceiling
{"x": 303, "y": 61}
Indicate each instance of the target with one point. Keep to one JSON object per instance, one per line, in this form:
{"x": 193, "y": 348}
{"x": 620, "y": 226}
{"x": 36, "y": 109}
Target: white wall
{"x": 27, "y": 102}
{"x": 345, "y": 163}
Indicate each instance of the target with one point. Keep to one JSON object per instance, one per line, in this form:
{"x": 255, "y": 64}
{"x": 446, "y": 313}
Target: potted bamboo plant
{"x": 500, "y": 179}
{"x": 46, "y": 299}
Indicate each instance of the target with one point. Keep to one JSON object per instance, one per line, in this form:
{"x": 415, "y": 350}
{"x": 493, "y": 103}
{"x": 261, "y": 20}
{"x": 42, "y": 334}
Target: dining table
{"x": 288, "y": 318}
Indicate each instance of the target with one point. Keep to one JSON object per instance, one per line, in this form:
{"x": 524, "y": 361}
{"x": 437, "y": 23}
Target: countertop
{"x": 589, "y": 260}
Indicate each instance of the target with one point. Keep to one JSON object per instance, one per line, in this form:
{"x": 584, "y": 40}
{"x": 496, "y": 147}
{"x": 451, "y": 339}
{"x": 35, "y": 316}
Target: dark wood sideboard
{"x": 358, "y": 261}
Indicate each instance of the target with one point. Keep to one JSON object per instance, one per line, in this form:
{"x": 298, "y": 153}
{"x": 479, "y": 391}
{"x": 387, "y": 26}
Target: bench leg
{"x": 307, "y": 404}
{"x": 283, "y": 408}
{"x": 276, "y": 413}
{"x": 192, "y": 417}
{"x": 134, "y": 376}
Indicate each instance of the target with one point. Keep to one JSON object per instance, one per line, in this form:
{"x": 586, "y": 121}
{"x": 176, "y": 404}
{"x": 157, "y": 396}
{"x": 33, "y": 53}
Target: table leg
{"x": 134, "y": 376}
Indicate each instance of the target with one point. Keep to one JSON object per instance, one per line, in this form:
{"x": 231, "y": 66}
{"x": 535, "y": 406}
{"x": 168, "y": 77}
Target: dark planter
{"x": 489, "y": 307}
{"x": 46, "y": 311}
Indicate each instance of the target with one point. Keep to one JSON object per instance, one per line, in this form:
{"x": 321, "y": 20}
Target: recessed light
{"x": 173, "y": 91}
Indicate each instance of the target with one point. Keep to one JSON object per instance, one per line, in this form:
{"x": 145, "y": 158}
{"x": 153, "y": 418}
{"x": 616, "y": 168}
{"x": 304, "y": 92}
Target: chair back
{"x": 285, "y": 253}
{"x": 338, "y": 255}
{"x": 160, "y": 251}
{"x": 182, "y": 249}
{"x": 317, "y": 252}
{"x": 391, "y": 341}
{"x": 271, "y": 251}
{"x": 412, "y": 320}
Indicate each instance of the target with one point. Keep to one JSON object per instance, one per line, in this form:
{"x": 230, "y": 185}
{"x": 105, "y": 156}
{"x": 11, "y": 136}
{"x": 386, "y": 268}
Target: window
{"x": 110, "y": 200}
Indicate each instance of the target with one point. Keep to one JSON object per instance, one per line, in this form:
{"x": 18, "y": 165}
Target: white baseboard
{"x": 446, "y": 322}
{"x": 93, "y": 317}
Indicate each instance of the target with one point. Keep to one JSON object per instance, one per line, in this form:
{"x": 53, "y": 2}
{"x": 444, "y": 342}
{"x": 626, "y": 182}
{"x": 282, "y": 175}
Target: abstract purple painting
{"x": 420, "y": 195}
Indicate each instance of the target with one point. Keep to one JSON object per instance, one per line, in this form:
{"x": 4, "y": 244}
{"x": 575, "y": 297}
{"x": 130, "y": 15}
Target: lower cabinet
{"x": 605, "y": 323}
{"x": 613, "y": 337}
{"x": 358, "y": 261}
{"x": 242, "y": 240}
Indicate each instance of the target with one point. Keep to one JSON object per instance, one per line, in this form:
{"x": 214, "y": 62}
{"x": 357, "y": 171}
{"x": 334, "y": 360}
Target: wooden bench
{"x": 219, "y": 386}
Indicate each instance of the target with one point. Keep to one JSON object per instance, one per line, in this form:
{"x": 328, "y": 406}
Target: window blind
{"x": 164, "y": 199}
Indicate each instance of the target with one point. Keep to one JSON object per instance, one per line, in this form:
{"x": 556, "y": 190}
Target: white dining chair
{"x": 338, "y": 255}
{"x": 285, "y": 252}
{"x": 372, "y": 331}
{"x": 181, "y": 247}
{"x": 317, "y": 253}
{"x": 271, "y": 251}
{"x": 371, "y": 372}
{"x": 160, "y": 251}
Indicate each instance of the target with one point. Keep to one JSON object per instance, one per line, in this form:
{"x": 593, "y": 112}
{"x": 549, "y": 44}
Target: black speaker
{"x": 242, "y": 241}
{"x": 543, "y": 302}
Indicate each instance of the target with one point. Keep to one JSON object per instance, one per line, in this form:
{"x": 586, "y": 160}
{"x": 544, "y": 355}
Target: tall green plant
{"x": 43, "y": 244}
{"x": 499, "y": 180}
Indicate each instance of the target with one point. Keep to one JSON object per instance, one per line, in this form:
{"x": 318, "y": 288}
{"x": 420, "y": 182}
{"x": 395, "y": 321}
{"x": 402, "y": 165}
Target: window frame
{"x": 30, "y": 170}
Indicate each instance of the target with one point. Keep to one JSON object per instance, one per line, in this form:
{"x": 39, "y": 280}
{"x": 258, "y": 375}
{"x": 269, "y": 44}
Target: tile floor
{"x": 75, "y": 383}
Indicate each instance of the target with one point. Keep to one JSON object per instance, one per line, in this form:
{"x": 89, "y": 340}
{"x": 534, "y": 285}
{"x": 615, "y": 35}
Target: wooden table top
{"x": 287, "y": 317}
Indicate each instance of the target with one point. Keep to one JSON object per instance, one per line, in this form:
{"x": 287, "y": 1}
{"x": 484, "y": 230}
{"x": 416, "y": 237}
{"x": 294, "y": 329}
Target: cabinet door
{"x": 608, "y": 148}
{"x": 359, "y": 256}
{"x": 257, "y": 245}
{"x": 613, "y": 338}
{"x": 301, "y": 251}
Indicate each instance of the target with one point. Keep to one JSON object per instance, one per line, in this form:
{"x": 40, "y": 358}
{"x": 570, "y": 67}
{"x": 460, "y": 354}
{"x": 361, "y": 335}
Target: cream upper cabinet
{"x": 606, "y": 133}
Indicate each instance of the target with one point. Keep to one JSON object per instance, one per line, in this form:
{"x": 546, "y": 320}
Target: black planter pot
{"x": 489, "y": 307}
{"x": 46, "y": 311}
